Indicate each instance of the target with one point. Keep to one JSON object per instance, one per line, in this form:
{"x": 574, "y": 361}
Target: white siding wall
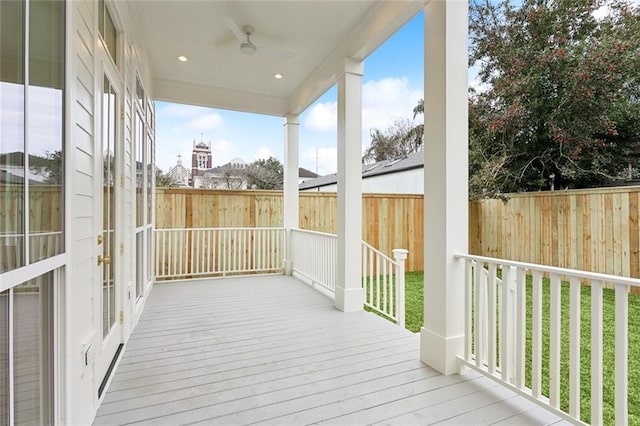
{"x": 82, "y": 317}
{"x": 404, "y": 182}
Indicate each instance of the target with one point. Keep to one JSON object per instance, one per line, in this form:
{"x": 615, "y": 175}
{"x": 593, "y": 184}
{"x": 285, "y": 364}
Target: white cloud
{"x": 322, "y": 117}
{"x": 208, "y": 121}
{"x": 386, "y": 100}
{"x": 326, "y": 159}
{"x": 383, "y": 102}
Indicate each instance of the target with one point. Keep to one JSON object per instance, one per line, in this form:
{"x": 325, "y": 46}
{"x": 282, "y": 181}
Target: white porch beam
{"x": 445, "y": 182}
{"x": 349, "y": 295}
{"x": 291, "y": 202}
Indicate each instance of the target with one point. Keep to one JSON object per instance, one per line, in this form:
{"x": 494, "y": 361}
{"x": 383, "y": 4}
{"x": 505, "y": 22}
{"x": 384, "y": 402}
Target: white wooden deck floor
{"x": 271, "y": 350}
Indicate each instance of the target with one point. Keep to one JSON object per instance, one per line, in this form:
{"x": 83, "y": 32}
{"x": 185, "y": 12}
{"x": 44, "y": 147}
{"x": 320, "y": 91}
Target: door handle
{"x": 106, "y": 260}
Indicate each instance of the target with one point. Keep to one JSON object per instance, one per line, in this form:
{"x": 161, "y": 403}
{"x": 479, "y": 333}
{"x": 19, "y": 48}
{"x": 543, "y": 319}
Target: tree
{"x": 563, "y": 96}
{"x": 401, "y": 138}
{"x": 265, "y": 174}
{"x": 165, "y": 180}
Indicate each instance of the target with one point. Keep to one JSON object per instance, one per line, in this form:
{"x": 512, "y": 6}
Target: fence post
{"x": 400, "y": 255}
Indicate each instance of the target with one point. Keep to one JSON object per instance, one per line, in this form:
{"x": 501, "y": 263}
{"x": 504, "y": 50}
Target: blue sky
{"x": 392, "y": 85}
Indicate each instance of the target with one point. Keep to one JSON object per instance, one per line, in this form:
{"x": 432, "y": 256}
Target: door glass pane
{"x": 108, "y": 204}
{"x": 4, "y": 358}
{"x": 139, "y": 147}
{"x": 32, "y": 349}
{"x": 139, "y": 263}
{"x": 149, "y": 254}
{"x": 110, "y": 35}
{"x": 46, "y": 104}
{"x": 149, "y": 167}
{"x": 12, "y": 182}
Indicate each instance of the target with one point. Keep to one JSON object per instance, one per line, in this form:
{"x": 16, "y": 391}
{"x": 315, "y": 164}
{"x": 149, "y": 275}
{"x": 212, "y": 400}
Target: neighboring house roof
{"x": 408, "y": 162}
{"x": 304, "y": 173}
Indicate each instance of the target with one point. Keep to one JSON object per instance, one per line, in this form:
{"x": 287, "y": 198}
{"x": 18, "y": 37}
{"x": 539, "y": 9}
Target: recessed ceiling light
{"x": 278, "y": 76}
{"x": 183, "y": 58}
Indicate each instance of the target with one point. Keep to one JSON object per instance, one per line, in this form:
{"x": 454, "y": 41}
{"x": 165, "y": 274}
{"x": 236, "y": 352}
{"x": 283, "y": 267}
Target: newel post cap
{"x": 400, "y": 254}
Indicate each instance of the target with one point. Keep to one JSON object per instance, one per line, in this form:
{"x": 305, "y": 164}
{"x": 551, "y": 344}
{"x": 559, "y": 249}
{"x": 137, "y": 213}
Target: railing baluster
{"x": 468, "y": 273}
{"x": 504, "y": 348}
{"x": 574, "y": 347}
{"x": 491, "y": 295}
{"x": 536, "y": 341}
{"x": 521, "y": 331}
{"x": 554, "y": 341}
{"x": 385, "y": 296}
{"x": 477, "y": 314}
{"x": 596, "y": 352}
{"x": 622, "y": 354}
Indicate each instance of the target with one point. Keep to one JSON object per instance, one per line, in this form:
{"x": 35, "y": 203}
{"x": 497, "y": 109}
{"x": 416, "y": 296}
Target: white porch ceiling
{"x": 320, "y": 34}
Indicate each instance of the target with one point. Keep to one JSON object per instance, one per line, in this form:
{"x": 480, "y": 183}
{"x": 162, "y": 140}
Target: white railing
{"x": 383, "y": 282}
{"x": 314, "y": 258}
{"x": 41, "y": 246}
{"x": 497, "y": 295}
{"x": 210, "y": 252}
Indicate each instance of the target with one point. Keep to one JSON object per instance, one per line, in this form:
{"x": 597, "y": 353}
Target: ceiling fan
{"x": 247, "y": 47}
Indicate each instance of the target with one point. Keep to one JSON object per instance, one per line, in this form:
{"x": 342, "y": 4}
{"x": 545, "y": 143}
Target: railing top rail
{"x": 308, "y": 231}
{"x": 31, "y": 234}
{"x": 379, "y": 253}
{"x": 555, "y": 270}
{"x": 265, "y": 228}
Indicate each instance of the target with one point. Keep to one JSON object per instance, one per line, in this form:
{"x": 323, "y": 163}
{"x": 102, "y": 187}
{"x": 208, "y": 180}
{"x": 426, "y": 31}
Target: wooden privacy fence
{"x": 593, "y": 230}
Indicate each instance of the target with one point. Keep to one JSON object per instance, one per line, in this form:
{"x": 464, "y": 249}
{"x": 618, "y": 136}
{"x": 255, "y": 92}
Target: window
{"x": 27, "y": 327}
{"x": 31, "y": 131}
{"x": 107, "y": 30}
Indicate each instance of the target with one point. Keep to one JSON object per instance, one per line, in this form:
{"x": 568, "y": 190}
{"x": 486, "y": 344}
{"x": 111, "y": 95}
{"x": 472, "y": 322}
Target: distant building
{"x": 227, "y": 176}
{"x": 201, "y": 161}
{"x": 180, "y": 174}
{"x": 403, "y": 175}
{"x": 304, "y": 175}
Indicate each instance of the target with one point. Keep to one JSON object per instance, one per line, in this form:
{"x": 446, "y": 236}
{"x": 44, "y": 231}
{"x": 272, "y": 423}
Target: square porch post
{"x": 290, "y": 186}
{"x": 445, "y": 182}
{"x": 349, "y": 294}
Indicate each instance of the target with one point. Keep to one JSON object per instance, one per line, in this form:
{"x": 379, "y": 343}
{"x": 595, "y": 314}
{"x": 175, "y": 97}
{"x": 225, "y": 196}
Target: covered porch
{"x": 270, "y": 349}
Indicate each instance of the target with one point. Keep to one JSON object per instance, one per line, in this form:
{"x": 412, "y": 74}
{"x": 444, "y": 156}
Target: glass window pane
{"x": 4, "y": 358}
{"x": 139, "y": 93}
{"x": 32, "y": 349}
{"x": 110, "y": 35}
{"x": 139, "y": 147}
{"x": 139, "y": 263}
{"x": 109, "y": 128}
{"x": 101, "y": 8}
{"x": 149, "y": 158}
{"x": 46, "y": 133}
{"x": 12, "y": 186}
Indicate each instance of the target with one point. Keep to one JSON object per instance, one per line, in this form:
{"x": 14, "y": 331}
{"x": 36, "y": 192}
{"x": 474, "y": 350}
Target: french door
{"x": 109, "y": 283}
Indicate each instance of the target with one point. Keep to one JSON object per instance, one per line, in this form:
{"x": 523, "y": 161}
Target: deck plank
{"x": 271, "y": 350}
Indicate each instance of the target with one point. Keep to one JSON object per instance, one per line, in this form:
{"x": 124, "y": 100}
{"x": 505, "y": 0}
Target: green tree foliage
{"x": 563, "y": 95}
{"x": 265, "y": 174}
{"x": 165, "y": 180}
{"x": 401, "y": 138}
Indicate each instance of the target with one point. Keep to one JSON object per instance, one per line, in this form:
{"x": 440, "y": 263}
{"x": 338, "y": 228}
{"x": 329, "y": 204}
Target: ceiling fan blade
{"x": 235, "y": 29}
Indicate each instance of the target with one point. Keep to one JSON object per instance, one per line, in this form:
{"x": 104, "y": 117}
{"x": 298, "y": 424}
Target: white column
{"x": 349, "y": 293}
{"x": 445, "y": 182}
{"x": 290, "y": 187}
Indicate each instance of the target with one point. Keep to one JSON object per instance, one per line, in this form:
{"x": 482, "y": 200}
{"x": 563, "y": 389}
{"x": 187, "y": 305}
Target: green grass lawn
{"x": 414, "y": 319}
